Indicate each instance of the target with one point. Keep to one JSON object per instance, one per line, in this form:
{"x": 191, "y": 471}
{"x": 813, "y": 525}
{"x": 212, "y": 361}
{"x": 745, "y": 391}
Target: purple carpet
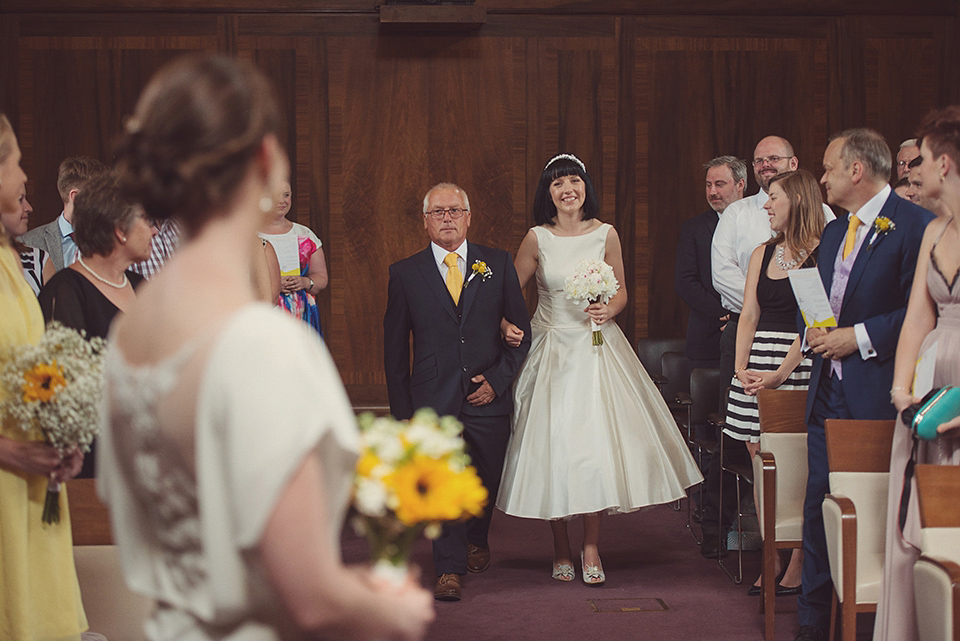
{"x": 658, "y": 587}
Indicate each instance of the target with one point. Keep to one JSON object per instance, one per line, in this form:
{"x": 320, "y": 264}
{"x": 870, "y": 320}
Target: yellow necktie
{"x": 851, "y": 236}
{"x": 454, "y": 277}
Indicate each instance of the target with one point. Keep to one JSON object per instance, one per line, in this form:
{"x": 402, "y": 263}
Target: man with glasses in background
{"x": 743, "y": 226}
{"x": 452, "y": 296}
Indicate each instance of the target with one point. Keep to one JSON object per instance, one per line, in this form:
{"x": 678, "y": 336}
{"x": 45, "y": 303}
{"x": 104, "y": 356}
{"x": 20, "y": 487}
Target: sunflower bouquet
{"x": 592, "y": 281}
{"x": 411, "y": 477}
{"x": 53, "y": 394}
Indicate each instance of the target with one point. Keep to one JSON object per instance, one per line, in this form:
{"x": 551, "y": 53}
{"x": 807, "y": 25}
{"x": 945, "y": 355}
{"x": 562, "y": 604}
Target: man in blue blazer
{"x": 452, "y": 296}
{"x": 867, "y": 260}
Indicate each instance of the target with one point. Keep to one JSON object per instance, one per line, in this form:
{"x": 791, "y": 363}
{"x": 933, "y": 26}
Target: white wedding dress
{"x": 590, "y": 430}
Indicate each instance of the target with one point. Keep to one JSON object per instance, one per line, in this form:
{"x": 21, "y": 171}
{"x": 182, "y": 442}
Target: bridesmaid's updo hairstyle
{"x": 941, "y": 131}
{"x": 559, "y": 166}
{"x": 197, "y": 126}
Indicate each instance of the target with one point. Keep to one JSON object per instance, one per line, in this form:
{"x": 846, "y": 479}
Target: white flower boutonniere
{"x": 478, "y": 267}
{"x": 881, "y": 227}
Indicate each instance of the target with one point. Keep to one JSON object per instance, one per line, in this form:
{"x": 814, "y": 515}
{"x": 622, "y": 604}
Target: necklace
{"x": 123, "y": 283}
{"x": 784, "y": 265}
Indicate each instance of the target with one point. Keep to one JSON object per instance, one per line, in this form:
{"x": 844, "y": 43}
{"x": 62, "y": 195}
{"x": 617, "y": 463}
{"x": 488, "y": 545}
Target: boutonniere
{"x": 479, "y": 267}
{"x": 881, "y": 227}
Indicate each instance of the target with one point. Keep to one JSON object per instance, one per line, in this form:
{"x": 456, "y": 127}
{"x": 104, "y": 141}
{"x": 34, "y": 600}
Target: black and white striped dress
{"x": 776, "y": 331}
{"x": 31, "y": 260}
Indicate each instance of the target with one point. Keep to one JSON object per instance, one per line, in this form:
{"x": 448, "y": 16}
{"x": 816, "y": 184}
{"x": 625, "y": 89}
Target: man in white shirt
{"x": 743, "y": 226}
{"x": 56, "y": 237}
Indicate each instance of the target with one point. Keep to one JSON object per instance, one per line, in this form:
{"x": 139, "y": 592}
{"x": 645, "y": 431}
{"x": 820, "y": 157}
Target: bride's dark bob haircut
{"x": 544, "y": 211}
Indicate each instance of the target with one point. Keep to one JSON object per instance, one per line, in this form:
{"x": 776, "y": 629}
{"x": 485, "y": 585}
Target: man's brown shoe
{"x": 447, "y": 588}
{"x": 478, "y": 558}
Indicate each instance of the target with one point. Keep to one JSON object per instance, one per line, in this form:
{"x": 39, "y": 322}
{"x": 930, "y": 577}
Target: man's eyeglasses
{"x": 773, "y": 160}
{"x": 455, "y": 214}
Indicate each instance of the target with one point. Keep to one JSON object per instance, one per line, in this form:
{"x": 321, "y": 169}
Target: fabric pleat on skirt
{"x": 766, "y": 354}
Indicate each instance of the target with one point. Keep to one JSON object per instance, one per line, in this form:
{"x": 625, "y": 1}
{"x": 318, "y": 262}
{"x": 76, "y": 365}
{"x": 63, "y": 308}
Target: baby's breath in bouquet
{"x": 53, "y": 393}
{"x": 411, "y": 477}
{"x": 592, "y": 281}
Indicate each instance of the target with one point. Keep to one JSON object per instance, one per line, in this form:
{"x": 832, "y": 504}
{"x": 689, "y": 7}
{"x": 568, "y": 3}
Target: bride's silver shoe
{"x": 592, "y": 574}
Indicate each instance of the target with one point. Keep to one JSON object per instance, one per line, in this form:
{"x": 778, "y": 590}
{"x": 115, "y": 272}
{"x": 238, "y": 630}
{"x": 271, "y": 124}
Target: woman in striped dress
{"x": 768, "y": 346}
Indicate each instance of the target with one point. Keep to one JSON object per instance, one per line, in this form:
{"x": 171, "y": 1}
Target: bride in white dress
{"x": 591, "y": 433}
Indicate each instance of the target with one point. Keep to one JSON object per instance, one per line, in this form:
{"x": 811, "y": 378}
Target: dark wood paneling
{"x": 644, "y": 91}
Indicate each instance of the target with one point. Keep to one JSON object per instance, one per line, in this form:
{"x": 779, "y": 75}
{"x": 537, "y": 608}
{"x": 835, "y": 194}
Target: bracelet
{"x": 738, "y": 370}
{"x": 309, "y": 289}
{"x": 894, "y": 390}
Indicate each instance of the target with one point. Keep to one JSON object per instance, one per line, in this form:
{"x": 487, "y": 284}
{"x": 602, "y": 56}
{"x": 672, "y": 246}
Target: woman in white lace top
{"x": 226, "y": 493}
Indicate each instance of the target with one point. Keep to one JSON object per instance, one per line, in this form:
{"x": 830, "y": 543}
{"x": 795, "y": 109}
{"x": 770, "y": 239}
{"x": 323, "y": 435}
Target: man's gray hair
{"x": 737, "y": 167}
{"x": 868, "y": 147}
{"x": 426, "y": 199}
{"x": 910, "y": 142}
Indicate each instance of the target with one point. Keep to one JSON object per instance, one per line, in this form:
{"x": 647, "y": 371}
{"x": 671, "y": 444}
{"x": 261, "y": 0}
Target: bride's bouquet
{"x": 592, "y": 281}
{"x": 53, "y": 392}
{"x": 411, "y": 476}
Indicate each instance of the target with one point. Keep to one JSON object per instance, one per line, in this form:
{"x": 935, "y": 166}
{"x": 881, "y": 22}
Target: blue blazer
{"x": 452, "y": 343}
{"x": 876, "y": 295}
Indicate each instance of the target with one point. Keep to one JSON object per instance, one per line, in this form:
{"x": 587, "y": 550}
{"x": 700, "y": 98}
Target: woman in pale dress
{"x": 933, "y": 318}
{"x": 226, "y": 498}
{"x": 591, "y": 433}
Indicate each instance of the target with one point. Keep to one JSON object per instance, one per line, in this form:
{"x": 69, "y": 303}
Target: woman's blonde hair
{"x": 806, "y": 210}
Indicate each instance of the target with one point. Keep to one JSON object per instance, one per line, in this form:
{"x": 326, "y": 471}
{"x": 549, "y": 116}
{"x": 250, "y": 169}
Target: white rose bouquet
{"x": 54, "y": 394}
{"x": 592, "y": 281}
{"x": 411, "y": 476}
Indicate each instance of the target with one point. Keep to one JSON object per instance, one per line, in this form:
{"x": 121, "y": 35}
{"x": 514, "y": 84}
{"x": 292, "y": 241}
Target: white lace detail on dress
{"x": 162, "y": 482}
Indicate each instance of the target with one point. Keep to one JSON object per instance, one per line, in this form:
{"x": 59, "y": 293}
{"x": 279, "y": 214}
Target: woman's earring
{"x": 123, "y": 239}
{"x": 266, "y": 203}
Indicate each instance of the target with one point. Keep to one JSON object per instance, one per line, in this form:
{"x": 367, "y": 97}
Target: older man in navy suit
{"x": 867, "y": 260}
{"x": 452, "y": 296}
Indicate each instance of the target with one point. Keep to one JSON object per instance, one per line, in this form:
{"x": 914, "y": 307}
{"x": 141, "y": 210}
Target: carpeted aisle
{"x": 647, "y": 555}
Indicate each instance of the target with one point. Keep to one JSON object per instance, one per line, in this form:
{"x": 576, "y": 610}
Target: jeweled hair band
{"x": 566, "y": 157}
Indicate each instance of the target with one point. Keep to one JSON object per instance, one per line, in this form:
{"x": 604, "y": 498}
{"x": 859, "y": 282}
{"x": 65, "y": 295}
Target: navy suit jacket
{"x": 694, "y": 284}
{"x": 452, "y": 343}
{"x": 876, "y": 295}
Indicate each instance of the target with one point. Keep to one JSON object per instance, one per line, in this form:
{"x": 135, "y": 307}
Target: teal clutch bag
{"x": 941, "y": 407}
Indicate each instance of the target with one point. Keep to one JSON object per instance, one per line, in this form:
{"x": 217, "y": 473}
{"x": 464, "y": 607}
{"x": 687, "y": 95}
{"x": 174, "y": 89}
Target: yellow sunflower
{"x": 428, "y": 490}
{"x": 42, "y": 382}
{"x": 367, "y": 462}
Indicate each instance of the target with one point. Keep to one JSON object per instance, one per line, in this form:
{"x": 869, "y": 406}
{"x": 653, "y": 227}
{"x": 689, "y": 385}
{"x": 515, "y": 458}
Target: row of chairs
{"x": 854, "y": 512}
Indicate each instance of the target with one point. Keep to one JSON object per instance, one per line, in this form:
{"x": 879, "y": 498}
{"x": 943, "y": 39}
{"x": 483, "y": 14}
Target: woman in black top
{"x": 111, "y": 233}
{"x": 768, "y": 346}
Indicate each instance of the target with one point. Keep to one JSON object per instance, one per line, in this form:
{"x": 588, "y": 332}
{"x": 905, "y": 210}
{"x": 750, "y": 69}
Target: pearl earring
{"x": 266, "y": 203}
{"x": 123, "y": 239}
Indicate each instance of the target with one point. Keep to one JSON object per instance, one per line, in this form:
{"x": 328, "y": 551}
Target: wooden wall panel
{"x": 643, "y": 91}
{"x": 701, "y": 98}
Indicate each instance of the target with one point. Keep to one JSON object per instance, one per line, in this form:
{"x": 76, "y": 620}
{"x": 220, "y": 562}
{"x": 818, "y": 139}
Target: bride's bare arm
{"x": 325, "y": 598}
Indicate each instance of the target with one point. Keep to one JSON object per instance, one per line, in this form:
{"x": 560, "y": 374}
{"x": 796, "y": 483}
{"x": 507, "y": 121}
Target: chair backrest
{"x": 704, "y": 394}
{"x": 938, "y": 489}
{"x": 858, "y": 445}
{"x": 782, "y": 411}
{"x": 783, "y": 433}
{"x": 937, "y": 597}
{"x": 89, "y": 518}
{"x": 675, "y": 366}
{"x": 111, "y": 608}
{"x": 650, "y": 350}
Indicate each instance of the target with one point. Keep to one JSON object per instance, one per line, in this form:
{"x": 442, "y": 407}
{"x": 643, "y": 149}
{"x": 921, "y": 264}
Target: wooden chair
{"x": 651, "y": 350}
{"x": 936, "y": 574}
{"x": 112, "y": 609}
{"x": 780, "y": 476}
{"x": 855, "y": 516}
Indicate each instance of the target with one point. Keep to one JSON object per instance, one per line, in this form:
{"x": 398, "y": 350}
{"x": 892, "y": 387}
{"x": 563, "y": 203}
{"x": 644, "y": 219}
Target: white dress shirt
{"x": 439, "y": 254}
{"x": 68, "y": 245}
{"x": 743, "y": 226}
